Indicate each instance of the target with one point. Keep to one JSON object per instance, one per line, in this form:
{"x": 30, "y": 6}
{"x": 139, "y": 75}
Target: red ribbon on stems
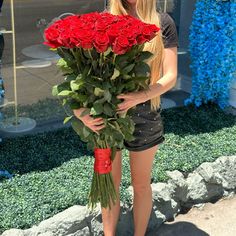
{"x": 103, "y": 163}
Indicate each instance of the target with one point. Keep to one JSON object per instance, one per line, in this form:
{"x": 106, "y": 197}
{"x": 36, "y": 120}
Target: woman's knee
{"x": 141, "y": 188}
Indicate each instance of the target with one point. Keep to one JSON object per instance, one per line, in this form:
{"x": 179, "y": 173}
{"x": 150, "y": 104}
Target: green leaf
{"x": 120, "y": 58}
{"x": 55, "y": 90}
{"x": 92, "y": 111}
{"x": 65, "y": 93}
{"x": 126, "y": 76}
{"x": 79, "y": 77}
{"x": 130, "y": 85}
{"x": 115, "y": 74}
{"x": 142, "y": 69}
{"x": 64, "y": 66}
{"x": 98, "y": 107}
{"x": 98, "y": 92}
{"x": 77, "y": 125}
{"x": 86, "y": 131}
{"x": 64, "y": 102}
{"x": 67, "y": 119}
{"x": 108, "y": 109}
{"x": 76, "y": 85}
{"x": 107, "y": 95}
{"x": 61, "y": 62}
{"x": 145, "y": 55}
{"x": 80, "y": 97}
{"x": 128, "y": 69}
{"x": 70, "y": 77}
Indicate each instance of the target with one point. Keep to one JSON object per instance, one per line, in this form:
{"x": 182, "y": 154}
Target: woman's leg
{"x": 141, "y": 167}
{"x": 110, "y": 217}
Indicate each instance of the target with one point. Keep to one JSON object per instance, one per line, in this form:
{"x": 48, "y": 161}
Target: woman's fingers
{"x": 122, "y": 96}
{"x": 95, "y": 127}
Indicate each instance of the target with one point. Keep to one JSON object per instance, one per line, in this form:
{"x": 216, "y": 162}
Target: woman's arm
{"x": 165, "y": 83}
{"x": 169, "y": 78}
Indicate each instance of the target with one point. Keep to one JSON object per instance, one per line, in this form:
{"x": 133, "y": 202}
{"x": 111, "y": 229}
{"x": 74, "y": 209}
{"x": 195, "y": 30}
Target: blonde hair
{"x": 147, "y": 12}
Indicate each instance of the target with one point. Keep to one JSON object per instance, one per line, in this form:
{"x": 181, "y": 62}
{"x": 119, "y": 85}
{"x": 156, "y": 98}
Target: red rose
{"x": 101, "y": 42}
{"x": 83, "y": 38}
{"x": 121, "y": 45}
{"x": 64, "y": 39}
{"x": 51, "y": 35}
{"x": 109, "y": 18}
{"x": 101, "y": 25}
{"x": 90, "y": 17}
{"x": 113, "y": 32}
{"x": 130, "y": 34}
{"x": 100, "y": 30}
{"x": 149, "y": 31}
{"x": 141, "y": 39}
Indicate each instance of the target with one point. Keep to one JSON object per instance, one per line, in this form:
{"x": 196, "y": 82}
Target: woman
{"x": 146, "y": 115}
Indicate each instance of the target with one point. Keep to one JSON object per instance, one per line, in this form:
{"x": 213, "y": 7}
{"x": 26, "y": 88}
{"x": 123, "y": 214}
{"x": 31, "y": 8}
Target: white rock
{"x": 82, "y": 232}
{"x": 197, "y": 189}
{"x": 72, "y": 219}
{"x": 13, "y": 232}
{"x": 225, "y": 166}
{"x": 179, "y": 184}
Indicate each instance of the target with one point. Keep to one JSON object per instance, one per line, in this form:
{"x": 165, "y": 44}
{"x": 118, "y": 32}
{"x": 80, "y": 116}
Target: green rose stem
{"x": 77, "y": 56}
{"x": 102, "y": 187}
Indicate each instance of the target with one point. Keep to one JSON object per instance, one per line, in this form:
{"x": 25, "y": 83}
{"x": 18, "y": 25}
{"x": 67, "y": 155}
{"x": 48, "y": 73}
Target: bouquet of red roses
{"x": 101, "y": 57}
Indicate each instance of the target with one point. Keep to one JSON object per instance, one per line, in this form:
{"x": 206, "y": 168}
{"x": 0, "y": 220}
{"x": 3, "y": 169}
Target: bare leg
{"x": 141, "y": 167}
{"x": 110, "y": 217}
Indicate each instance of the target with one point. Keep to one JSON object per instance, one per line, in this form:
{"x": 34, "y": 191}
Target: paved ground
{"x": 218, "y": 219}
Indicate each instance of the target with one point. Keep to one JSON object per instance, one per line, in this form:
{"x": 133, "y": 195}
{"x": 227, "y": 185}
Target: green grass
{"x": 43, "y": 110}
{"x": 53, "y": 171}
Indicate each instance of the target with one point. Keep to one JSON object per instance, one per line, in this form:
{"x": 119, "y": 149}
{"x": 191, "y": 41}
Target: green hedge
{"x": 42, "y": 110}
{"x": 53, "y": 170}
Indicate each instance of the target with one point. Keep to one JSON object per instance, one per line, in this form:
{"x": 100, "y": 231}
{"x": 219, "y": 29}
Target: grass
{"x": 43, "y": 110}
{"x": 53, "y": 171}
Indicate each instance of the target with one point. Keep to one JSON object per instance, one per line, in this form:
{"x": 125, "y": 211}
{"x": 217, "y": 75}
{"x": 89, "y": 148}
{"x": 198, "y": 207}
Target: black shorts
{"x": 149, "y": 130}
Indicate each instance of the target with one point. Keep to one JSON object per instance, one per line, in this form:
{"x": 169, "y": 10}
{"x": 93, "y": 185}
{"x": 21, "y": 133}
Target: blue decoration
{"x": 213, "y": 52}
{"x": 6, "y": 174}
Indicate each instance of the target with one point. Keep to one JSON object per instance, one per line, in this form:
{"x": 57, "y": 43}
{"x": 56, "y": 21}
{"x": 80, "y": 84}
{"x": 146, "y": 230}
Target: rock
{"x": 96, "y": 225}
{"x": 206, "y": 170}
{"x": 197, "y": 190}
{"x": 162, "y": 191}
{"x": 179, "y": 184}
{"x": 207, "y": 182}
{"x": 69, "y": 221}
{"x": 156, "y": 220}
{"x": 83, "y": 232}
{"x": 225, "y": 167}
{"x": 200, "y": 206}
{"x": 13, "y": 232}
{"x": 163, "y": 200}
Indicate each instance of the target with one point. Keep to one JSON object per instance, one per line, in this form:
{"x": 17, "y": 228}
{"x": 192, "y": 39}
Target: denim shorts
{"x": 149, "y": 130}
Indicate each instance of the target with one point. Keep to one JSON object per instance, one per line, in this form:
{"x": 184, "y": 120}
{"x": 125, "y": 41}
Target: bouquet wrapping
{"x": 101, "y": 57}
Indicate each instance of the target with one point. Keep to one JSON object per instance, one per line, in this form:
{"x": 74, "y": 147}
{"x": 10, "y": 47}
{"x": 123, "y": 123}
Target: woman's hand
{"x": 95, "y": 124}
{"x": 130, "y": 100}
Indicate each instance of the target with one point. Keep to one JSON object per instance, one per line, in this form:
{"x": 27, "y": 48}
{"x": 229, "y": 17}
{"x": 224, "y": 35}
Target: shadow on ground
{"x": 181, "y": 228}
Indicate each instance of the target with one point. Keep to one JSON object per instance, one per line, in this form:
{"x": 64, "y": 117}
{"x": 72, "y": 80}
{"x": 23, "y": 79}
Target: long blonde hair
{"x": 147, "y": 12}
